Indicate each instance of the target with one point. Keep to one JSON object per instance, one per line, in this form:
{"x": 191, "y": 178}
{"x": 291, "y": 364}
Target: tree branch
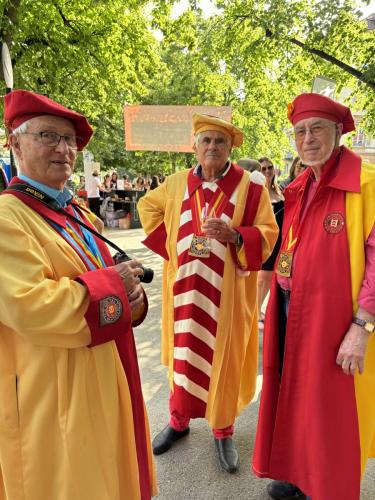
{"x": 10, "y": 13}
{"x": 327, "y": 57}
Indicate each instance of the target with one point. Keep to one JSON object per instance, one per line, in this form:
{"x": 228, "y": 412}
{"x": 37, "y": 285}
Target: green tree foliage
{"x": 91, "y": 55}
{"x": 254, "y": 55}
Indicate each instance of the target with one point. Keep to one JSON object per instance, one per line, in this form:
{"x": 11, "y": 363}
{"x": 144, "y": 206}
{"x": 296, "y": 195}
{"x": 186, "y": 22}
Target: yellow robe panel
{"x": 360, "y": 210}
{"x": 72, "y": 439}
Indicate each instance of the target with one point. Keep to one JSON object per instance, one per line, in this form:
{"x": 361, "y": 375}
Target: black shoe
{"x": 164, "y": 440}
{"x": 281, "y": 490}
{"x": 228, "y": 454}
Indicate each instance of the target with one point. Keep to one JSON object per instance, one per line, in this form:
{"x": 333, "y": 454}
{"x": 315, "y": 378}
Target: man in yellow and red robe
{"x": 72, "y": 419}
{"x": 214, "y": 228}
{"x": 317, "y": 413}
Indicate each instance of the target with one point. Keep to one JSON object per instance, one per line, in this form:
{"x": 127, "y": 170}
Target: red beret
{"x": 317, "y": 105}
{"x": 22, "y": 105}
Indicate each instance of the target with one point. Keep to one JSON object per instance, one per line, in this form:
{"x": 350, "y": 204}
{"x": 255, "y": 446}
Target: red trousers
{"x": 178, "y": 422}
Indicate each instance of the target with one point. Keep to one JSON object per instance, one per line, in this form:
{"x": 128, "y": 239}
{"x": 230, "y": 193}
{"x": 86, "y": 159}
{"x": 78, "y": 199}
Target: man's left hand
{"x": 351, "y": 355}
{"x": 219, "y": 230}
{"x": 135, "y": 298}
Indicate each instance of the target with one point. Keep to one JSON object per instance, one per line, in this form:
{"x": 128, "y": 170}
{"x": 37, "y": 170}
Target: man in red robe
{"x": 317, "y": 417}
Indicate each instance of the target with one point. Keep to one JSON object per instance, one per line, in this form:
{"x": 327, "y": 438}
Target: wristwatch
{"x": 239, "y": 240}
{"x": 369, "y": 326}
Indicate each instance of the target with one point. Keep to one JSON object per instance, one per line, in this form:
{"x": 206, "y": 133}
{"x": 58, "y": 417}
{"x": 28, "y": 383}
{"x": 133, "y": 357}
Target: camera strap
{"x": 53, "y": 205}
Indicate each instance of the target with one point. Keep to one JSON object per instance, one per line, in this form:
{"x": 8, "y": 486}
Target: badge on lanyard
{"x": 200, "y": 247}
{"x": 284, "y": 265}
{"x": 200, "y": 244}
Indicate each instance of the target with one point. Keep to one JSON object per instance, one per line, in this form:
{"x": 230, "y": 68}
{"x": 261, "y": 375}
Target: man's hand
{"x": 219, "y": 230}
{"x": 136, "y": 299}
{"x": 129, "y": 272}
{"x": 351, "y": 355}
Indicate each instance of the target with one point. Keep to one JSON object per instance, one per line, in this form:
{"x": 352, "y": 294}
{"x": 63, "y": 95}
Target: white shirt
{"x": 93, "y": 187}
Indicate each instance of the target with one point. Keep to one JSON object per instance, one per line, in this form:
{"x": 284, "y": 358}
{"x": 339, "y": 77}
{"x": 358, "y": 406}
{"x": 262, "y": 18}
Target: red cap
{"x": 317, "y": 105}
{"x": 22, "y": 105}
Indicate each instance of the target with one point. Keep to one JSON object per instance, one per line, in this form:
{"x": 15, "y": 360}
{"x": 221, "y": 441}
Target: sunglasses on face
{"x": 270, "y": 167}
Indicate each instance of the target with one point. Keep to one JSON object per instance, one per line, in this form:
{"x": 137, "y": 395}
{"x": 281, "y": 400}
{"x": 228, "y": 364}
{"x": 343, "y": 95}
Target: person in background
{"x": 127, "y": 183}
{"x": 73, "y": 423}
{"x": 106, "y": 186}
{"x": 114, "y": 178}
{"x": 254, "y": 167}
{"x": 81, "y": 185}
{"x": 277, "y": 200}
{"x": 214, "y": 228}
{"x": 81, "y": 190}
{"x": 94, "y": 189}
{"x": 249, "y": 164}
{"x": 296, "y": 169}
{"x": 107, "y": 182}
{"x": 316, "y": 425}
{"x": 154, "y": 182}
{"x": 139, "y": 184}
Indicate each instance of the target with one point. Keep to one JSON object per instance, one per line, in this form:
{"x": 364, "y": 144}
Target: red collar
{"x": 227, "y": 184}
{"x": 342, "y": 171}
{"x": 39, "y": 207}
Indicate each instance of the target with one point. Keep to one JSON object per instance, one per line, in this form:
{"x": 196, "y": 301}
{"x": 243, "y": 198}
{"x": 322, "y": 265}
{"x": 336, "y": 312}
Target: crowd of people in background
{"x": 96, "y": 188}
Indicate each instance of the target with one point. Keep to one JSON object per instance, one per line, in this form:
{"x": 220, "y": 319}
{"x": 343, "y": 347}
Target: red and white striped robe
{"x": 209, "y": 317}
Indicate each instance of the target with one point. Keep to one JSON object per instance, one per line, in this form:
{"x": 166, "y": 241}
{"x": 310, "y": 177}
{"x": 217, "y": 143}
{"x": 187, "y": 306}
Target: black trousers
{"x": 94, "y": 206}
{"x": 283, "y": 299}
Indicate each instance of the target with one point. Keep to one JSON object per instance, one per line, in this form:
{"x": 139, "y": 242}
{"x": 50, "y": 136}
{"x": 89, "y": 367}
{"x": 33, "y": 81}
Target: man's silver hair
{"x": 22, "y": 128}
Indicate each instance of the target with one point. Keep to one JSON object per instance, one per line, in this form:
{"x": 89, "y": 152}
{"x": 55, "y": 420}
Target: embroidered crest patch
{"x": 110, "y": 310}
{"x": 334, "y": 223}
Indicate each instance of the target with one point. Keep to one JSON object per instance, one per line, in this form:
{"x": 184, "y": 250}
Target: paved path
{"x": 190, "y": 470}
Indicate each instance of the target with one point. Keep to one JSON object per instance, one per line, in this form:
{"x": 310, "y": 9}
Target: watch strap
{"x": 239, "y": 240}
{"x": 367, "y": 325}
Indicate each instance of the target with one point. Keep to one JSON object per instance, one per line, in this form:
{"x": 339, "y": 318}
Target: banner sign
{"x": 165, "y": 128}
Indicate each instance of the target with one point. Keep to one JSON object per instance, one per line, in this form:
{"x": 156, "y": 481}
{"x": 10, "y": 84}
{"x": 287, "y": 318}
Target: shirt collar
{"x": 63, "y": 197}
{"x": 198, "y": 171}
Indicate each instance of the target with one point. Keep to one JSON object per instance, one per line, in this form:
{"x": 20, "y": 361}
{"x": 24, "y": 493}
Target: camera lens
{"x": 148, "y": 274}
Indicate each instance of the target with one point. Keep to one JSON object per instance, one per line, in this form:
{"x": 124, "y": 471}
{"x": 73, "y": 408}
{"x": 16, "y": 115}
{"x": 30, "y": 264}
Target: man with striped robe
{"x": 214, "y": 228}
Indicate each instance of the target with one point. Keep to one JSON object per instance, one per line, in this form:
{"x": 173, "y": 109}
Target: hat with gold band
{"x": 203, "y": 123}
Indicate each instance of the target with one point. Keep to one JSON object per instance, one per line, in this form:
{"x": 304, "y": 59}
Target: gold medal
{"x": 200, "y": 247}
{"x": 284, "y": 266}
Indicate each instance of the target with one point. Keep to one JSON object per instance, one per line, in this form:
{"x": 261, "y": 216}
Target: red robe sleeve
{"x": 251, "y": 236}
{"x": 109, "y": 314}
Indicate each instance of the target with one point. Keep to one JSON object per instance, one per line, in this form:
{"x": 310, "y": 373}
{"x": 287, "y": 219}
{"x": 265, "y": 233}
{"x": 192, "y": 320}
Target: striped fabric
{"x": 197, "y": 293}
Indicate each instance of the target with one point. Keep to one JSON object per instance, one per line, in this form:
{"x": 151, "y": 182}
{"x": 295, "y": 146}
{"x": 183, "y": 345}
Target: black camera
{"x": 148, "y": 274}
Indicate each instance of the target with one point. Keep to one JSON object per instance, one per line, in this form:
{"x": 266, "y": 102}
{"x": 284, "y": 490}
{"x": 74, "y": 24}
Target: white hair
{"x": 21, "y": 129}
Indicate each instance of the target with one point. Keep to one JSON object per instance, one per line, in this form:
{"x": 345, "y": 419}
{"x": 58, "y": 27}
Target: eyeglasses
{"x": 51, "y": 139}
{"x": 315, "y": 130}
{"x": 270, "y": 167}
